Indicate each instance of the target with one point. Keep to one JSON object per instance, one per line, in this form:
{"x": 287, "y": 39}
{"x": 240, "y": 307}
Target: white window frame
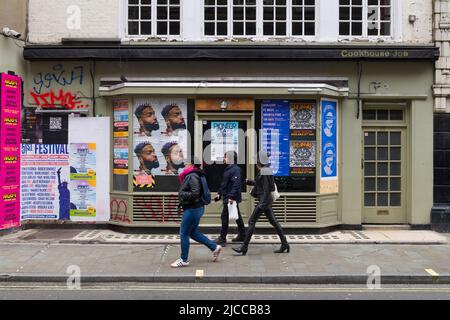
{"x": 259, "y": 25}
{"x": 396, "y": 21}
{"x": 124, "y": 17}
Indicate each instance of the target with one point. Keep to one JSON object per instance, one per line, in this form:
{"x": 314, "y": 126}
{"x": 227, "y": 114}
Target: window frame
{"x": 365, "y": 36}
{"x": 154, "y": 23}
{"x": 259, "y": 25}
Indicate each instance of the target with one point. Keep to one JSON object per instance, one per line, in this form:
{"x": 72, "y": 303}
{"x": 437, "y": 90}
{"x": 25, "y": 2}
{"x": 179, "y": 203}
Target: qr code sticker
{"x": 55, "y": 123}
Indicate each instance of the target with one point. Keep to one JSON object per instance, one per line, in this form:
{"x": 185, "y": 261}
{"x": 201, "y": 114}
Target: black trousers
{"x": 257, "y": 212}
{"x": 225, "y": 223}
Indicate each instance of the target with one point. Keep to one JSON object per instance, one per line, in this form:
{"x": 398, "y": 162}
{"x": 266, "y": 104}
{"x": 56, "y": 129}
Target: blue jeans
{"x": 189, "y": 229}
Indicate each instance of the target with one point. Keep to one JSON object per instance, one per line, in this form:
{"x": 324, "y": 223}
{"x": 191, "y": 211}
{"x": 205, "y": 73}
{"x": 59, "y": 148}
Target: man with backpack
{"x": 193, "y": 195}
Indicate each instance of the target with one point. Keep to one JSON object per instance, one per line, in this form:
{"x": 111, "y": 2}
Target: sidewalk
{"x": 47, "y": 260}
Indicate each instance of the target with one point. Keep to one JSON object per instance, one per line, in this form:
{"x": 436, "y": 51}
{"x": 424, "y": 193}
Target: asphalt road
{"x": 229, "y": 292}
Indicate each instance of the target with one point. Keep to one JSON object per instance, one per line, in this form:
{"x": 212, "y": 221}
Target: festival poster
{"x": 44, "y": 190}
{"x": 83, "y": 198}
{"x": 303, "y": 121}
{"x": 303, "y": 158}
{"x": 120, "y": 136}
{"x": 224, "y": 138}
{"x": 160, "y": 140}
{"x": 83, "y": 179}
{"x": 10, "y": 106}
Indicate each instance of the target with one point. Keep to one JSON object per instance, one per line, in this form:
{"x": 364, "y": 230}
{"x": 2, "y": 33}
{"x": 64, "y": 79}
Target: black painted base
{"x": 440, "y": 218}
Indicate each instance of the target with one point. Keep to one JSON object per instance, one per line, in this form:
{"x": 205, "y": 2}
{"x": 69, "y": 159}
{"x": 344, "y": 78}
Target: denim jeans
{"x": 189, "y": 229}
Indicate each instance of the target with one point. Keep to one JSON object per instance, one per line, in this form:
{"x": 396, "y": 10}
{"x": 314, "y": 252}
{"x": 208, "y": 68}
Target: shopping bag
{"x": 275, "y": 194}
{"x": 233, "y": 211}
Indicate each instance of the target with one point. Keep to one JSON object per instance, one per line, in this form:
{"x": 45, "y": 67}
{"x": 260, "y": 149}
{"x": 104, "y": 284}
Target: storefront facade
{"x": 371, "y": 168}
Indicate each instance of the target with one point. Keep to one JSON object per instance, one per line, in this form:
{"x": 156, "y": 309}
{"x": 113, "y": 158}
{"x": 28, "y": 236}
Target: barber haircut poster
{"x": 45, "y": 176}
{"x": 329, "y": 150}
{"x": 160, "y": 139}
{"x": 10, "y": 106}
{"x": 224, "y": 138}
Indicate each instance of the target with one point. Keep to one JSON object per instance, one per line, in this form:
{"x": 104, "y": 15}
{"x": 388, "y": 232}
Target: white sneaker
{"x": 217, "y": 252}
{"x": 179, "y": 263}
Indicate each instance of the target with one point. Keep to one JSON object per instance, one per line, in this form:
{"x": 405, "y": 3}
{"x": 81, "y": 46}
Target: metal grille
{"x": 156, "y": 208}
{"x": 294, "y": 209}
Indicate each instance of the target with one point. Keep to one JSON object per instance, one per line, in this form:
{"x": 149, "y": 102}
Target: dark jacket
{"x": 190, "y": 190}
{"x": 264, "y": 184}
{"x": 231, "y": 184}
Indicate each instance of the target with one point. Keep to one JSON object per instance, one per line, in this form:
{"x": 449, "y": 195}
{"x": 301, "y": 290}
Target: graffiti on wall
{"x": 60, "y": 87}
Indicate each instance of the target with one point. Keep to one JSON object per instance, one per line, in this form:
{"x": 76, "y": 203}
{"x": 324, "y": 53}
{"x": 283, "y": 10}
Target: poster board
{"x": 10, "y": 112}
{"x": 329, "y": 148}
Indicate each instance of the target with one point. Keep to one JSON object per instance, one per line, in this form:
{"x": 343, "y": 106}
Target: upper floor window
{"x": 259, "y": 18}
{"x": 365, "y": 18}
{"x": 154, "y": 17}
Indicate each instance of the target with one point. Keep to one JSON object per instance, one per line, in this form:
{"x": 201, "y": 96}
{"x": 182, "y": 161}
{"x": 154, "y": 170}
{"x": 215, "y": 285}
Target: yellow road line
{"x": 432, "y": 272}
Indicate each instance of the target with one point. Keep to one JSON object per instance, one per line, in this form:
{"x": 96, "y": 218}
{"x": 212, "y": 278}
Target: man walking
{"x": 230, "y": 192}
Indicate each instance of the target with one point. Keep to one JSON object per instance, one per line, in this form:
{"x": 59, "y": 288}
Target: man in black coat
{"x": 230, "y": 191}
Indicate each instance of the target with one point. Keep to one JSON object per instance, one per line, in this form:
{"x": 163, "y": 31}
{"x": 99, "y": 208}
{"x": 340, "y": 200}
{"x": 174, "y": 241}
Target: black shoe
{"x": 283, "y": 248}
{"x": 221, "y": 242}
{"x": 241, "y": 250}
{"x": 238, "y": 239}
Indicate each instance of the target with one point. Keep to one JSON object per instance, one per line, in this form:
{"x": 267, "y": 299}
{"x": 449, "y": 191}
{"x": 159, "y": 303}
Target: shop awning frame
{"x": 223, "y": 88}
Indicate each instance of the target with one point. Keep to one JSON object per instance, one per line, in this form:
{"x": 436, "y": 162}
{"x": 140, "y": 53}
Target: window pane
{"x": 174, "y": 13}
{"x": 297, "y": 29}
{"x": 356, "y": 13}
{"x": 385, "y": 29}
{"x": 281, "y": 28}
{"x": 369, "y": 199}
{"x": 382, "y": 199}
{"x": 369, "y": 154}
{"x": 382, "y": 154}
{"x": 395, "y": 200}
{"x": 369, "y": 138}
{"x": 146, "y": 13}
{"x": 238, "y": 13}
{"x": 382, "y": 169}
{"x": 250, "y": 28}
{"x": 162, "y": 13}
{"x": 174, "y": 28}
{"x": 133, "y": 13}
{"x": 144, "y": 1}
{"x": 344, "y": 28}
{"x": 395, "y": 184}
{"x": 162, "y": 28}
{"x": 238, "y": 28}
{"x": 310, "y": 28}
{"x": 396, "y": 138}
{"x": 344, "y": 13}
{"x": 222, "y": 29}
{"x": 369, "y": 114}
{"x": 385, "y": 13}
{"x": 281, "y": 13}
{"x": 369, "y": 169}
{"x": 268, "y": 14}
{"x": 382, "y": 184}
{"x": 395, "y": 153}
{"x": 396, "y": 115}
{"x": 310, "y": 13}
{"x": 369, "y": 184}
{"x": 222, "y": 13}
{"x": 133, "y": 28}
{"x": 209, "y": 29}
{"x": 297, "y": 13}
{"x": 268, "y": 28}
{"x": 383, "y": 115}
{"x": 133, "y": 1}
{"x": 146, "y": 28}
{"x": 382, "y": 138}
{"x": 395, "y": 169}
{"x": 250, "y": 13}
{"x": 356, "y": 28}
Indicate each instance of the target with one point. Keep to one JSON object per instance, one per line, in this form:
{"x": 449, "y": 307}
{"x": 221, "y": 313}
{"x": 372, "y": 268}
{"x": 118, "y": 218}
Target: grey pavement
{"x": 306, "y": 263}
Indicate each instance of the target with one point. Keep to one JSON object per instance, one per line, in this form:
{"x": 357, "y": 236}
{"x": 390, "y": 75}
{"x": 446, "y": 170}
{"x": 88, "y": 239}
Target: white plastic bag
{"x": 275, "y": 194}
{"x": 233, "y": 211}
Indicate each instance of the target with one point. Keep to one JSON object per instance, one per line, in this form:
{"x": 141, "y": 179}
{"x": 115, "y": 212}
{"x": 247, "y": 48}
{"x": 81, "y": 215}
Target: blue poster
{"x": 276, "y": 134}
{"x": 329, "y": 139}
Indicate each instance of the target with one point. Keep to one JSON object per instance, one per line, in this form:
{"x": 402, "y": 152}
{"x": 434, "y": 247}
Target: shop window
{"x": 260, "y": 18}
{"x": 288, "y": 133}
{"x": 365, "y": 18}
{"x": 154, "y": 17}
{"x": 383, "y": 115}
{"x": 216, "y": 17}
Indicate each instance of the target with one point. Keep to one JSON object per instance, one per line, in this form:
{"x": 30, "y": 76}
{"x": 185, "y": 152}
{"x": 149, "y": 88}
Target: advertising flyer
{"x": 120, "y": 107}
{"x": 83, "y": 179}
{"x": 160, "y": 140}
{"x": 45, "y": 193}
{"x": 224, "y": 138}
{"x": 275, "y": 135}
{"x": 289, "y": 136}
{"x": 10, "y": 132}
{"x": 329, "y": 148}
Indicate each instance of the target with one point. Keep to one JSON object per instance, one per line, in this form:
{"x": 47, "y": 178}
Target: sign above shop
{"x": 224, "y": 105}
